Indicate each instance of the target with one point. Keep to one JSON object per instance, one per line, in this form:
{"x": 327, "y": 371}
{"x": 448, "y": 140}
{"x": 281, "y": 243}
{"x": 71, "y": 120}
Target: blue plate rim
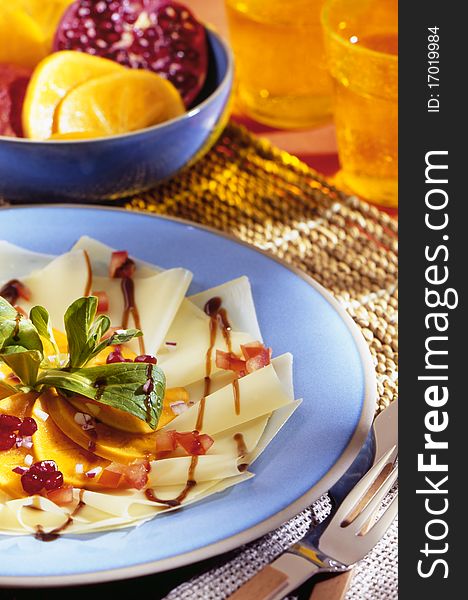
{"x": 263, "y": 527}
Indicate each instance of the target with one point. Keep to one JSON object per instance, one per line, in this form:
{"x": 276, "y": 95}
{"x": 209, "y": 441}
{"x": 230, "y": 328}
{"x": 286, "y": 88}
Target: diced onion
{"x": 41, "y": 414}
{"x": 178, "y": 407}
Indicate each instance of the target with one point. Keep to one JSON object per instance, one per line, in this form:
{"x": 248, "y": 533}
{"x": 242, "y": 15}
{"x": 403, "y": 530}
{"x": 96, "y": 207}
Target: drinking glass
{"x": 361, "y": 41}
{"x": 281, "y": 75}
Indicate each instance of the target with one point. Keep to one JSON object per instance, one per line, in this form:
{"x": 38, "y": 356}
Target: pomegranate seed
{"x": 44, "y": 467}
{"x": 32, "y": 483}
{"x": 53, "y": 481}
{"x": 28, "y": 427}
{"x": 7, "y": 440}
{"x": 115, "y": 356}
{"x": 9, "y": 423}
{"x": 42, "y": 475}
{"x": 146, "y": 358}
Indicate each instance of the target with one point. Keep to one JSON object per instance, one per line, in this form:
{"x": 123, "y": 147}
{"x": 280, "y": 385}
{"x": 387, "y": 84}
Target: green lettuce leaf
{"x": 17, "y": 330}
{"x": 136, "y": 388}
{"x": 40, "y": 318}
{"x": 24, "y": 363}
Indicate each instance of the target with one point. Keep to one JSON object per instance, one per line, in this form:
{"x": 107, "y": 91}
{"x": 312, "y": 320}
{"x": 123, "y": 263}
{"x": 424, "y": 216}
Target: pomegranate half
{"x": 157, "y": 35}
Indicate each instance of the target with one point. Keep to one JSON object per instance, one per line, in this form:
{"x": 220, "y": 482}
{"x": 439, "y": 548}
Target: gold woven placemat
{"x": 264, "y": 196}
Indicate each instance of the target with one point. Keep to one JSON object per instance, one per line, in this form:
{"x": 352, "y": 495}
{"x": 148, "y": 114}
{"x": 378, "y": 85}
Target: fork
{"x": 343, "y": 540}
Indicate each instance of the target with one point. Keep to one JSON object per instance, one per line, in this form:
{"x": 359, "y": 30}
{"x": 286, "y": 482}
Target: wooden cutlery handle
{"x": 275, "y": 581}
{"x": 333, "y": 588}
{"x": 263, "y": 586}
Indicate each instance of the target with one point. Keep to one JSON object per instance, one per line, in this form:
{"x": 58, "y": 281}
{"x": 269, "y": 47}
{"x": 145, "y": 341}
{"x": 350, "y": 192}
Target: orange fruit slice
{"x": 52, "y": 79}
{"x": 120, "y": 102}
{"x": 46, "y": 14}
{"x": 22, "y": 40}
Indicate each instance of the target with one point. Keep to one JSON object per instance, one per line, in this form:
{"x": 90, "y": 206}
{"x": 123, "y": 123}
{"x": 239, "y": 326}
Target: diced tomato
{"x": 237, "y": 365}
{"x": 222, "y": 360}
{"x": 14, "y": 289}
{"x": 206, "y": 441}
{"x": 255, "y": 349}
{"x": 260, "y": 360}
{"x": 61, "y": 496}
{"x": 111, "y": 476}
{"x": 133, "y": 476}
{"x": 166, "y": 441}
{"x": 190, "y": 443}
{"x": 23, "y": 291}
{"x": 103, "y": 301}
{"x": 230, "y": 362}
{"x": 136, "y": 475}
{"x": 252, "y": 349}
{"x": 121, "y": 265}
{"x": 193, "y": 443}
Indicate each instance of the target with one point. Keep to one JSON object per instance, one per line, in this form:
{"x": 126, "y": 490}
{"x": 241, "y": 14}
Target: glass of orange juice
{"x": 361, "y": 40}
{"x": 281, "y": 74}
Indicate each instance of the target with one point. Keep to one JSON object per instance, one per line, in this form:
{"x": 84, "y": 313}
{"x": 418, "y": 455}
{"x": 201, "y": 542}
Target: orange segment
{"x": 20, "y": 405}
{"x": 22, "y": 40}
{"x": 114, "y": 445}
{"x": 52, "y": 79}
{"x": 46, "y": 14}
{"x": 51, "y": 444}
{"x": 118, "y": 419}
{"x": 125, "y": 101}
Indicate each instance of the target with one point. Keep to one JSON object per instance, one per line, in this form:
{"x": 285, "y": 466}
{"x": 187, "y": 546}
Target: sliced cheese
{"x": 157, "y": 299}
{"x": 225, "y": 443}
{"x": 237, "y": 299}
{"x": 282, "y": 365}
{"x": 172, "y": 471}
{"x": 57, "y": 285}
{"x": 100, "y": 256}
{"x": 261, "y": 392}
{"x": 17, "y": 262}
{"x": 185, "y": 362}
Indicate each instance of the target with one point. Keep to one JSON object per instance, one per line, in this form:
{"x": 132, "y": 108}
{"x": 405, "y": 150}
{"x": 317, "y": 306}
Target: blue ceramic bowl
{"x": 118, "y": 166}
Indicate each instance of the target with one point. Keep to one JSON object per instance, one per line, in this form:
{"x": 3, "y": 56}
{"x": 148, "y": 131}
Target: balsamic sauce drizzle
{"x": 89, "y": 279}
{"x": 218, "y": 318}
{"x": 92, "y": 442}
{"x": 148, "y": 388}
{"x": 241, "y": 451}
{"x": 55, "y": 533}
{"x": 183, "y": 494}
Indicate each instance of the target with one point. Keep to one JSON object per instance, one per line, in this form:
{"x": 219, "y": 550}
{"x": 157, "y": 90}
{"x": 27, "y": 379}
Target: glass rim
{"x": 329, "y": 31}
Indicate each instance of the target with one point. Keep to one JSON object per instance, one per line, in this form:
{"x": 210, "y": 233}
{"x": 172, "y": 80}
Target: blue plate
{"x": 333, "y": 372}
